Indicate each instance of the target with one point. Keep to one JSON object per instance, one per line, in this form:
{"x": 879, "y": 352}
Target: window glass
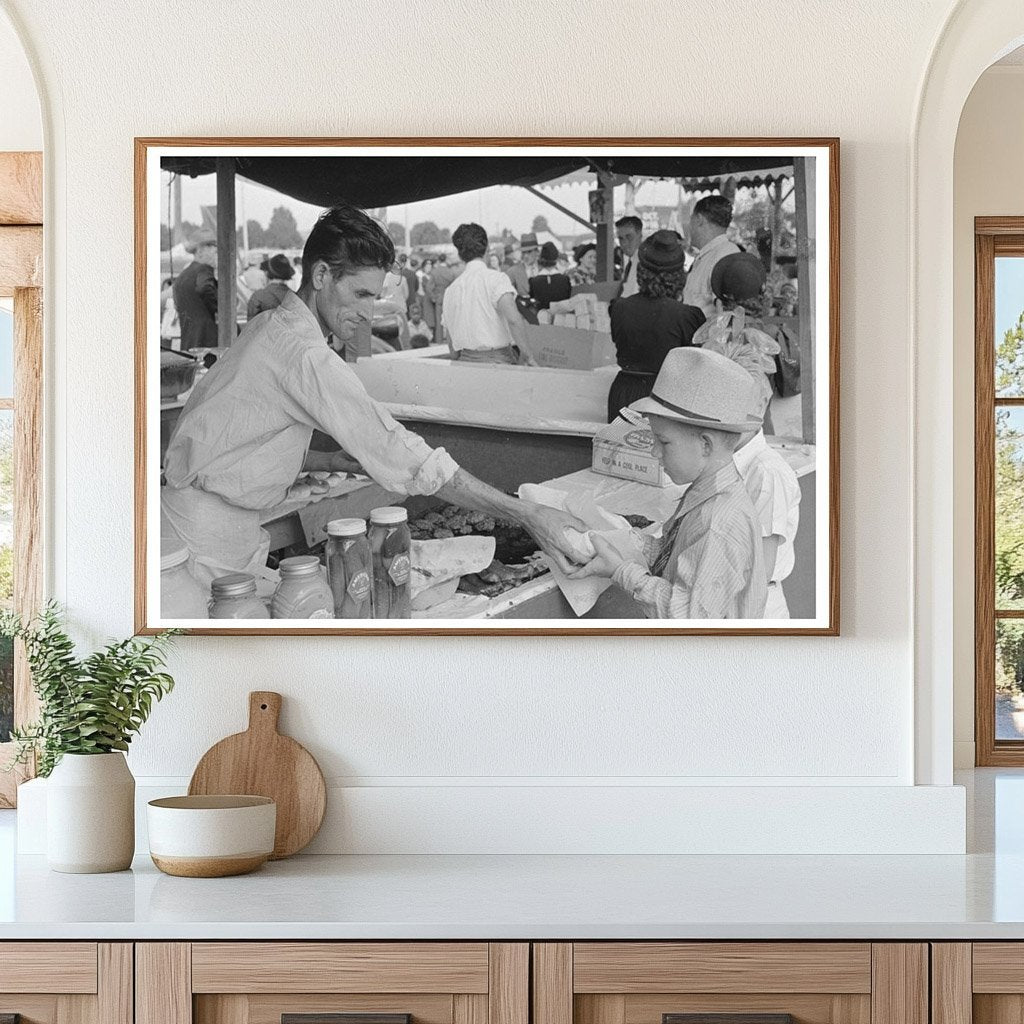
{"x": 1009, "y": 524}
{"x": 1009, "y": 679}
{"x": 1009, "y": 323}
{"x": 6, "y": 352}
{"x": 6, "y": 568}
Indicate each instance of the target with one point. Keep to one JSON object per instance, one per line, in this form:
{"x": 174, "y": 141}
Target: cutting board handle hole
{"x": 263, "y": 707}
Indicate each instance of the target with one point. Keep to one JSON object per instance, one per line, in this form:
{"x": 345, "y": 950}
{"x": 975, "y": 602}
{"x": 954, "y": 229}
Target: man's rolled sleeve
{"x": 337, "y": 403}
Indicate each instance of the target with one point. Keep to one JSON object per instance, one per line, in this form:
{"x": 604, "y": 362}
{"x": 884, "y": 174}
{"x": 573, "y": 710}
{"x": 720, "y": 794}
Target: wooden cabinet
{"x": 512, "y": 983}
{"x": 753, "y": 982}
{"x": 308, "y": 982}
{"x": 66, "y": 982}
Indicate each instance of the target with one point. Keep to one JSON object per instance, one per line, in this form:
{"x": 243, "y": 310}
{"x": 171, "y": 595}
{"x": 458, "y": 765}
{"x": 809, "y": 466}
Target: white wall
{"x": 697, "y": 712}
{"x": 21, "y": 127}
{"x": 988, "y": 182}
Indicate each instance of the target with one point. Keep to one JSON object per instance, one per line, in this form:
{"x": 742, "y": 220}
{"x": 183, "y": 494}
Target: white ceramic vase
{"x": 90, "y": 814}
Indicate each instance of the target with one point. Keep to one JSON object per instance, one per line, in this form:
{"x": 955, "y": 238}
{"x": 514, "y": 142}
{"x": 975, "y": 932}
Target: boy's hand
{"x": 609, "y": 557}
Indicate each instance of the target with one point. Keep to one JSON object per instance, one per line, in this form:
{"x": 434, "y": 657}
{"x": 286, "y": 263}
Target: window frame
{"x": 993, "y": 237}
{"x": 21, "y": 278}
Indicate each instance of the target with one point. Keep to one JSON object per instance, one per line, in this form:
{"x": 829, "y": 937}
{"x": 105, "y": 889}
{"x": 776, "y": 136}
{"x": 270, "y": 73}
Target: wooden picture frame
{"x": 817, "y": 229}
{"x": 993, "y": 237}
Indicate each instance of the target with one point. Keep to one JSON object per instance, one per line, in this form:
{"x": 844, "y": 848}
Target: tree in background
{"x": 540, "y": 223}
{"x": 257, "y": 234}
{"x": 428, "y": 233}
{"x": 282, "y": 231}
{"x": 397, "y": 232}
{"x": 1009, "y": 518}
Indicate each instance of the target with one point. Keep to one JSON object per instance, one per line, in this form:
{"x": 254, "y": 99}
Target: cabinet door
{"x": 332, "y": 983}
{"x": 65, "y": 983}
{"x": 981, "y": 982}
{"x": 730, "y": 983}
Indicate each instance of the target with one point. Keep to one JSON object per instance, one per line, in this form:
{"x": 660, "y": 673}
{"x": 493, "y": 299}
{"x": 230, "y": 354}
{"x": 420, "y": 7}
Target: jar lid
{"x": 389, "y": 514}
{"x": 172, "y": 559}
{"x": 346, "y": 527}
{"x": 233, "y": 585}
{"x": 299, "y": 565}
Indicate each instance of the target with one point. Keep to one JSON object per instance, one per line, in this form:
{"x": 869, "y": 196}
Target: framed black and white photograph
{"x": 483, "y": 386}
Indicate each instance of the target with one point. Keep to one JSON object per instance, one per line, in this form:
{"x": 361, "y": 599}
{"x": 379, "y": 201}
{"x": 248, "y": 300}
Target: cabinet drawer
{"x": 332, "y": 983}
{"x": 58, "y": 967}
{"x": 66, "y": 982}
{"x": 340, "y": 967}
{"x": 755, "y": 967}
{"x": 730, "y": 983}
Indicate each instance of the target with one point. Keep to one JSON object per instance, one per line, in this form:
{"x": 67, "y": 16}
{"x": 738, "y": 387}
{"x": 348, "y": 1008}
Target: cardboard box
{"x": 627, "y": 451}
{"x": 567, "y": 348}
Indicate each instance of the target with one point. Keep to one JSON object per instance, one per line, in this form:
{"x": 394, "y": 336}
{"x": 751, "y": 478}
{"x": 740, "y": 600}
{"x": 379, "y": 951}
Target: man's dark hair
{"x": 471, "y": 241}
{"x": 347, "y": 240}
{"x": 631, "y": 222}
{"x": 716, "y": 210}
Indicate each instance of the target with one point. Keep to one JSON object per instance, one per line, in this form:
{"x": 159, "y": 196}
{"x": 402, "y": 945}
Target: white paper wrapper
{"x": 436, "y": 561}
{"x": 582, "y": 595}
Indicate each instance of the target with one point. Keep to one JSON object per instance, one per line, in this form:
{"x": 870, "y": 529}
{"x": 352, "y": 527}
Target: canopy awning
{"x": 374, "y": 181}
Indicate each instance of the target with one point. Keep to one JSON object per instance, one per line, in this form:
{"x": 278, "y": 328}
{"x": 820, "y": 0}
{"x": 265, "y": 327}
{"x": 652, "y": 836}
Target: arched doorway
{"x": 976, "y": 35}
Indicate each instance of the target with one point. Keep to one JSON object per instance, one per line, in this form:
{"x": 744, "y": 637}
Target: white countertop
{"x": 977, "y": 896}
{"x": 517, "y": 897}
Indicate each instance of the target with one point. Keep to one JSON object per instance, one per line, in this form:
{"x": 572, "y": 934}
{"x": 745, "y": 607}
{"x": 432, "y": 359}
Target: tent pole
{"x": 805, "y": 263}
{"x": 558, "y": 206}
{"x": 227, "y": 299}
{"x": 606, "y": 231}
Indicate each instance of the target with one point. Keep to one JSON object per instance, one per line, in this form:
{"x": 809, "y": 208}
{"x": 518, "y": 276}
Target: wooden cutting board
{"x": 262, "y": 762}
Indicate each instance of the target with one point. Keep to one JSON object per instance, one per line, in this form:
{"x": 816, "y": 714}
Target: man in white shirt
{"x": 243, "y": 436}
{"x": 630, "y": 232}
{"x": 480, "y": 313}
{"x": 708, "y": 224}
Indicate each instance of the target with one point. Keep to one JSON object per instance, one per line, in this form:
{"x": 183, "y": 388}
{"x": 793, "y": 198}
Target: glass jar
{"x": 234, "y": 597}
{"x": 389, "y": 545}
{"x": 350, "y": 569}
{"x": 180, "y": 596}
{"x": 303, "y": 592}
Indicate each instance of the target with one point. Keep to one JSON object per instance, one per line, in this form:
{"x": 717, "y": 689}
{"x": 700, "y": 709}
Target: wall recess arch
{"x": 976, "y": 33}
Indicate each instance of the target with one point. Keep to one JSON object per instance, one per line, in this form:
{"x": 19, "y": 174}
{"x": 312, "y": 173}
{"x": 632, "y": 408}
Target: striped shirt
{"x": 709, "y": 563}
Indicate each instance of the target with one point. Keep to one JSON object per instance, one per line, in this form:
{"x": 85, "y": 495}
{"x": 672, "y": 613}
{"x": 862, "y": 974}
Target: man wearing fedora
{"x": 279, "y": 272}
{"x": 195, "y": 294}
{"x": 708, "y": 562}
{"x": 521, "y": 272}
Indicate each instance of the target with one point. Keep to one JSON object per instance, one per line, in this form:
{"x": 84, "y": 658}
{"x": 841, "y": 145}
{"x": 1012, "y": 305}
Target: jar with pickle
{"x": 390, "y": 545}
{"x": 303, "y": 592}
{"x": 350, "y": 569}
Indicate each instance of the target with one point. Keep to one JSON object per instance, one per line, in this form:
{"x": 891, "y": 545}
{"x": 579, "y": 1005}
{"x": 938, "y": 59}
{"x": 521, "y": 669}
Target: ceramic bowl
{"x": 211, "y": 836}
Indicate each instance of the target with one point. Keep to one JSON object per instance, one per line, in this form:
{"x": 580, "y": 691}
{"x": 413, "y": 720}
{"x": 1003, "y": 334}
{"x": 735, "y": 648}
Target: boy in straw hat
{"x": 708, "y": 563}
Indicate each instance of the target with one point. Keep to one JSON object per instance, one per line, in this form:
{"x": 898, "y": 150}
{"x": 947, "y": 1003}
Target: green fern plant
{"x": 90, "y": 705}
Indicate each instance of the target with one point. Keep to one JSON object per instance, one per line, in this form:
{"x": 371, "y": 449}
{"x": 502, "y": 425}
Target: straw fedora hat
{"x": 704, "y": 389}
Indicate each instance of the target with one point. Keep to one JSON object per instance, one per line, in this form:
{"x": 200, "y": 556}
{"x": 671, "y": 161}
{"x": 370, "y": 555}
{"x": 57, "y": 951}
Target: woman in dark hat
{"x": 648, "y": 325}
{"x": 548, "y": 285}
{"x": 279, "y": 272}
